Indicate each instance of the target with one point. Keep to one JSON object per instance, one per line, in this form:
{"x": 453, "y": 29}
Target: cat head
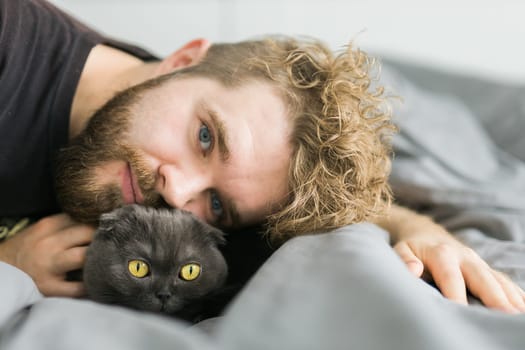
{"x": 153, "y": 259}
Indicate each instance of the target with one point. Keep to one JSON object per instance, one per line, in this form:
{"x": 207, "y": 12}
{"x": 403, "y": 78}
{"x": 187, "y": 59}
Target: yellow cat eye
{"x": 138, "y": 268}
{"x": 190, "y": 272}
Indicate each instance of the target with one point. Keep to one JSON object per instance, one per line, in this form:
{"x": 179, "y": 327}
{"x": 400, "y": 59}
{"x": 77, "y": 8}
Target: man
{"x": 228, "y": 136}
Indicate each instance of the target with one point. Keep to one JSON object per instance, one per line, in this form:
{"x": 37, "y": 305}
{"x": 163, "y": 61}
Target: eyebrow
{"x": 221, "y": 132}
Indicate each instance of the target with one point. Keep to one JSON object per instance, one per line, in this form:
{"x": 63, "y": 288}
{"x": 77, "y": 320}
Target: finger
{"x": 69, "y": 260}
{"x": 56, "y": 222}
{"x": 483, "y": 284}
{"x": 60, "y": 288}
{"x": 409, "y": 258}
{"x": 76, "y": 235}
{"x": 446, "y": 272}
{"x": 513, "y": 292}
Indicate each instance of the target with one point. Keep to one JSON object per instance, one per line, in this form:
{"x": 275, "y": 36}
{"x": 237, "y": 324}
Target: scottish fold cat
{"x": 159, "y": 260}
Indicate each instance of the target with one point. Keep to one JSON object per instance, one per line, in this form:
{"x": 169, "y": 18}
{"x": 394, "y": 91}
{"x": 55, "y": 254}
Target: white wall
{"x": 482, "y": 37}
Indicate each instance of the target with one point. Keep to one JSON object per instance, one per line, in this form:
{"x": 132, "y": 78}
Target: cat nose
{"x": 163, "y": 296}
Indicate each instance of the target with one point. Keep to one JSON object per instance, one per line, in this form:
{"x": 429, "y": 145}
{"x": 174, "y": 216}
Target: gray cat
{"x": 160, "y": 260}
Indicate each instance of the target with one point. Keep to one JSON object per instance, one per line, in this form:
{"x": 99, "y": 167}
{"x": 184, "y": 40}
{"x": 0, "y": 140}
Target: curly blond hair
{"x": 340, "y": 140}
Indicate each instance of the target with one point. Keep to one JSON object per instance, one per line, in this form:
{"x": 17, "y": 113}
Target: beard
{"x": 80, "y": 193}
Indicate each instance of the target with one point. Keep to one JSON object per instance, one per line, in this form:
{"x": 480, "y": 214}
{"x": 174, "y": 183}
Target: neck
{"x": 106, "y": 72}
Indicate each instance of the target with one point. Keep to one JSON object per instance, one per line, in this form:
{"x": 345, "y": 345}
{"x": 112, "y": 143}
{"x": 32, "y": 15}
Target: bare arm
{"x": 430, "y": 251}
{"x": 47, "y": 250}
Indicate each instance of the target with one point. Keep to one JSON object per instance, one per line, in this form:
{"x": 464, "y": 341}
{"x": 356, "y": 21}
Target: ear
{"x": 217, "y": 235}
{"x": 106, "y": 223}
{"x": 188, "y": 55}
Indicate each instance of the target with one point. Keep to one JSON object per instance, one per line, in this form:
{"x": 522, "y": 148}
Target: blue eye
{"x": 205, "y": 137}
{"x": 216, "y": 205}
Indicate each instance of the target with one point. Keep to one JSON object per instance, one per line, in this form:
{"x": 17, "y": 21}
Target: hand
{"x": 454, "y": 268}
{"x": 47, "y": 250}
{"x": 429, "y": 251}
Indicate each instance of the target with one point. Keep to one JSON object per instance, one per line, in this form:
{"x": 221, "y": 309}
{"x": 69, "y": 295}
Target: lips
{"x": 130, "y": 188}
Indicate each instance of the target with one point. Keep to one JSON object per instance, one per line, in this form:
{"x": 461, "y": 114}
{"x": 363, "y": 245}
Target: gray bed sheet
{"x": 347, "y": 289}
{"x": 460, "y": 158}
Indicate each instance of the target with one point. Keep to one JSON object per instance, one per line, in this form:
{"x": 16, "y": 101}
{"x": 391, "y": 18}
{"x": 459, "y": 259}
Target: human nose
{"x": 183, "y": 188}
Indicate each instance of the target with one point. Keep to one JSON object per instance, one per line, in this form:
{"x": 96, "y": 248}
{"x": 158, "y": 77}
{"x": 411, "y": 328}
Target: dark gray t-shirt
{"x": 42, "y": 54}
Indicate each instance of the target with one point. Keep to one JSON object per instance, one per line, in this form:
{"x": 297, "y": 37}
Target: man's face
{"x": 220, "y": 153}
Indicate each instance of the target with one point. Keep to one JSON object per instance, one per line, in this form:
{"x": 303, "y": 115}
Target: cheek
{"x": 145, "y": 131}
{"x": 160, "y": 138}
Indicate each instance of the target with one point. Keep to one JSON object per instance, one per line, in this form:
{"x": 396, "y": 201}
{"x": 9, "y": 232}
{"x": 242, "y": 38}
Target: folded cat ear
{"x": 107, "y": 222}
{"x": 217, "y": 235}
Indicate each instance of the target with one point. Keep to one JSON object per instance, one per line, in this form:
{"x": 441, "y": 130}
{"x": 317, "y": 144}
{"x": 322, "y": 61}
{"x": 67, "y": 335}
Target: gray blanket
{"x": 348, "y": 289}
{"x": 462, "y": 164}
